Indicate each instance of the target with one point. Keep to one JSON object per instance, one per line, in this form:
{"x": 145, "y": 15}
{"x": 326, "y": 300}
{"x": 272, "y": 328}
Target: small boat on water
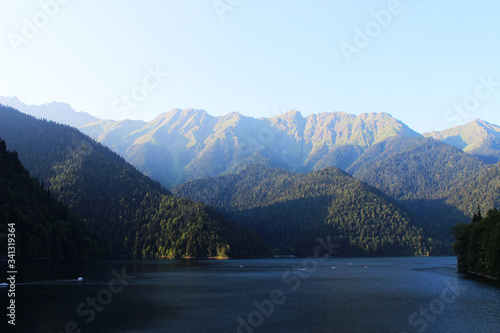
{"x": 3, "y": 284}
{"x": 80, "y": 278}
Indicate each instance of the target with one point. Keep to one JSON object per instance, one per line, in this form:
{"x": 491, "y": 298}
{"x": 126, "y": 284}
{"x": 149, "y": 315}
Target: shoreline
{"x": 482, "y": 275}
{"x": 225, "y": 258}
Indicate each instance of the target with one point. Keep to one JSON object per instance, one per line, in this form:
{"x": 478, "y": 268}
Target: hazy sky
{"x": 432, "y": 64}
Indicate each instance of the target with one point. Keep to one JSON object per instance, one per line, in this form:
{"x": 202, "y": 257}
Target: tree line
{"x": 478, "y": 244}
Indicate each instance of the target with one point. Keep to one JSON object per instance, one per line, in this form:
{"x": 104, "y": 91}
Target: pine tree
{"x": 477, "y": 216}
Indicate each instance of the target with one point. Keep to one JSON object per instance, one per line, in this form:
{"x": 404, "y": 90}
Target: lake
{"x": 261, "y": 295}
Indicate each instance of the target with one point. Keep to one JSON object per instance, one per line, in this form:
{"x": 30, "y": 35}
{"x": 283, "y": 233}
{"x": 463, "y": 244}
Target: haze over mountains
{"x": 478, "y": 138}
{"x": 189, "y": 144}
{"x": 130, "y": 212}
{"x": 59, "y": 112}
{"x": 277, "y": 176}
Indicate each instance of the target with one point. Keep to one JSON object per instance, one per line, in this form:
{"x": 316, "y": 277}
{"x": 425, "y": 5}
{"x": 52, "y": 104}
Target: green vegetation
{"x": 129, "y": 211}
{"x": 425, "y": 171}
{"x": 478, "y": 244}
{"x": 422, "y": 174}
{"x": 424, "y": 185}
{"x": 484, "y": 187}
{"x": 44, "y": 227}
{"x": 290, "y": 211}
{"x": 189, "y": 144}
{"x": 478, "y": 138}
{"x": 433, "y": 180}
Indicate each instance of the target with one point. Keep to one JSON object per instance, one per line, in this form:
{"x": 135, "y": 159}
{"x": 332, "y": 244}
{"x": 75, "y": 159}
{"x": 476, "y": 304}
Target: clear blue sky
{"x": 263, "y": 58}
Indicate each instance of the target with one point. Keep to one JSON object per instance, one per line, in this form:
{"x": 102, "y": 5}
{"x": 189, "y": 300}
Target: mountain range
{"x": 400, "y": 191}
{"x": 130, "y": 212}
{"x": 189, "y": 144}
{"x": 478, "y": 138}
{"x": 55, "y": 111}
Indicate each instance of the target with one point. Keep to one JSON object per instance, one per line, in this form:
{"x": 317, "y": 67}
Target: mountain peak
{"x": 12, "y": 99}
{"x": 235, "y": 114}
{"x": 192, "y": 111}
{"x": 56, "y": 111}
{"x": 472, "y": 128}
{"x": 485, "y": 124}
{"x": 233, "y": 118}
{"x": 293, "y": 114}
{"x": 477, "y": 137}
{"x": 182, "y": 113}
{"x": 169, "y": 113}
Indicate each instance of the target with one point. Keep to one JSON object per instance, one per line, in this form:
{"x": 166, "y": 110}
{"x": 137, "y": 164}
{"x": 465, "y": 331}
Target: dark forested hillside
{"x": 383, "y": 150}
{"x": 43, "y": 226}
{"x": 290, "y": 211}
{"x": 132, "y": 213}
{"x": 423, "y": 169}
{"x": 478, "y": 244}
{"x": 420, "y": 173}
{"x": 481, "y": 189}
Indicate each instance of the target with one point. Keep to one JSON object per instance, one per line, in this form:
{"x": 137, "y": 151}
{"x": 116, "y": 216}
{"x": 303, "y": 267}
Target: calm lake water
{"x": 268, "y": 295}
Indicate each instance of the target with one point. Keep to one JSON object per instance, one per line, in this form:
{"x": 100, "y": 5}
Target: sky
{"x": 431, "y": 64}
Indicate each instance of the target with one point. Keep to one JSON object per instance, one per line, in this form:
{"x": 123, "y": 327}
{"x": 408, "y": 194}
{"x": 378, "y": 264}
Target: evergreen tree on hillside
{"x": 43, "y": 227}
{"x": 478, "y": 244}
{"x": 477, "y": 216}
{"x": 130, "y": 212}
{"x": 291, "y": 210}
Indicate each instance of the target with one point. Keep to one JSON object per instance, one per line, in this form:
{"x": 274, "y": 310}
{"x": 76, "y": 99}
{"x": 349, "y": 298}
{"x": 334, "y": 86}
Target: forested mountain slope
{"x": 417, "y": 168}
{"x": 481, "y": 189}
{"x": 43, "y": 227}
{"x": 421, "y": 174}
{"x": 291, "y": 210}
{"x": 132, "y": 213}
